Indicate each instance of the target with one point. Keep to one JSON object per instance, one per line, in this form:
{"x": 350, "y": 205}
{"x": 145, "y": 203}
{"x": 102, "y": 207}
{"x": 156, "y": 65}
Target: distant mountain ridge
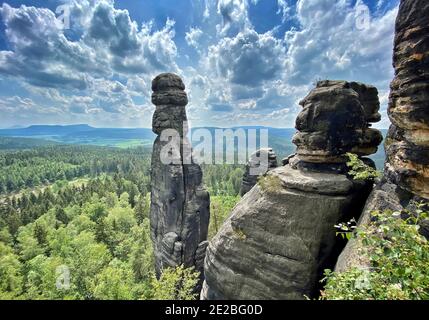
{"x": 43, "y": 130}
{"x": 87, "y": 131}
{"x": 280, "y": 139}
{"x": 13, "y": 143}
{"x": 66, "y": 132}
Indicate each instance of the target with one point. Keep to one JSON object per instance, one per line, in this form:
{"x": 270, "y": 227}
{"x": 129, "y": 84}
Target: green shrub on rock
{"x": 175, "y": 284}
{"x": 270, "y": 184}
{"x": 359, "y": 170}
{"x": 399, "y": 262}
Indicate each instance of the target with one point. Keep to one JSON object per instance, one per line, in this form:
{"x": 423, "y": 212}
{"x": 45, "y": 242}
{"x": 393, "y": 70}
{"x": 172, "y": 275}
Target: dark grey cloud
{"x": 40, "y": 54}
{"x": 248, "y": 59}
{"x": 43, "y": 56}
{"x": 36, "y": 74}
{"x": 115, "y": 29}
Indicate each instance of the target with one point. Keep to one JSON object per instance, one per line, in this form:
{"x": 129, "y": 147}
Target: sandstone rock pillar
{"x": 179, "y": 212}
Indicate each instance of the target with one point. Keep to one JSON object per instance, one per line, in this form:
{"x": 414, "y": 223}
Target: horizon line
{"x": 17, "y": 127}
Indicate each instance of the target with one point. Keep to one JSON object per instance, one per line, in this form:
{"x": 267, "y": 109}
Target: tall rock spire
{"x": 407, "y": 145}
{"x": 180, "y": 206}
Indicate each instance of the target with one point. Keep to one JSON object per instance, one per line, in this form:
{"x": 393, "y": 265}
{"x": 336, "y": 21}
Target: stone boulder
{"x": 280, "y": 236}
{"x": 385, "y": 196}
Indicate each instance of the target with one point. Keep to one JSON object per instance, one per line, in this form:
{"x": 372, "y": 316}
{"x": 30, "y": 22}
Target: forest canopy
{"x": 74, "y": 224}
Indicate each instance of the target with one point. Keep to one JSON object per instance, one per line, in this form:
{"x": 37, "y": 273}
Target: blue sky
{"x": 244, "y": 62}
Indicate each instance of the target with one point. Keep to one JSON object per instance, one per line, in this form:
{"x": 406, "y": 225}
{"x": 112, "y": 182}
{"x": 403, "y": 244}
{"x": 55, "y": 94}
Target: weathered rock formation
{"x": 249, "y": 178}
{"x": 407, "y": 146}
{"x": 179, "y": 212}
{"x": 336, "y": 119}
{"x": 406, "y": 172}
{"x": 280, "y": 236}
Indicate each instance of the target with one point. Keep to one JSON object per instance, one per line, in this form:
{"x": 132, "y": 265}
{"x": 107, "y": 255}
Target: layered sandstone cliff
{"x": 407, "y": 144}
{"x": 406, "y": 173}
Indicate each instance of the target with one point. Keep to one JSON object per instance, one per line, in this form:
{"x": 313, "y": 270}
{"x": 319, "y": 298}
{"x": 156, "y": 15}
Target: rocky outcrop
{"x": 179, "y": 212}
{"x": 280, "y": 236}
{"x": 336, "y": 119}
{"x": 406, "y": 172}
{"x": 250, "y": 178}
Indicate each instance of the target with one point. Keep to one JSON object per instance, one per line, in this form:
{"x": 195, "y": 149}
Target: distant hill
{"x": 12, "y": 143}
{"x": 280, "y": 139}
{"x": 84, "y": 134}
{"x": 70, "y": 133}
{"x": 45, "y": 130}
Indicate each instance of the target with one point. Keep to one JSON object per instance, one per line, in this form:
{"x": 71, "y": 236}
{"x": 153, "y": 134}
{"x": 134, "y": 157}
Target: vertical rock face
{"x": 406, "y": 172}
{"x": 280, "y": 236}
{"x": 249, "y": 179}
{"x": 179, "y": 211}
{"x": 407, "y": 146}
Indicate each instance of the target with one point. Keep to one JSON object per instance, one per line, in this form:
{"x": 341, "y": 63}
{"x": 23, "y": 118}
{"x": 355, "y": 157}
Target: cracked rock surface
{"x": 407, "y": 145}
{"x": 180, "y": 205}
